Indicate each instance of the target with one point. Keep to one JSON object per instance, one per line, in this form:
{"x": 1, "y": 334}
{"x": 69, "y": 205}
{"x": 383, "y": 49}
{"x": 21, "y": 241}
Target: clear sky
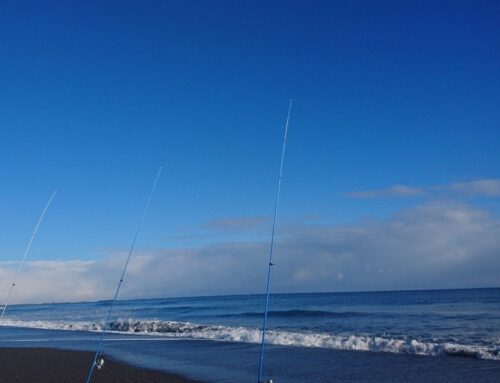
{"x": 395, "y": 123}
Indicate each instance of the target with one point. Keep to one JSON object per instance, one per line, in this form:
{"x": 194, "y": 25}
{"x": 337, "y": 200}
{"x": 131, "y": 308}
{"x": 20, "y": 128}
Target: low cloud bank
{"x": 431, "y": 246}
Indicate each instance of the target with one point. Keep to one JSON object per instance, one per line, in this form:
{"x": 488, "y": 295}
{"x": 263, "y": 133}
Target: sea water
{"x": 435, "y": 323}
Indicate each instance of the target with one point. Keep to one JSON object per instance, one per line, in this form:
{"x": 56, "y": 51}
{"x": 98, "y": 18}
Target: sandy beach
{"x": 43, "y": 365}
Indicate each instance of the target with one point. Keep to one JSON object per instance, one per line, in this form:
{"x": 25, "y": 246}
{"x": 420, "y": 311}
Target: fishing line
{"x": 269, "y": 267}
{"x": 139, "y": 228}
{"x": 26, "y": 252}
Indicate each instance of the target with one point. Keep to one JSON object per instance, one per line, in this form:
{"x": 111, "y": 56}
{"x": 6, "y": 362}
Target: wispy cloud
{"x": 392, "y": 191}
{"x": 485, "y": 187}
{"x": 431, "y": 246}
{"x": 237, "y": 223}
{"x": 479, "y": 188}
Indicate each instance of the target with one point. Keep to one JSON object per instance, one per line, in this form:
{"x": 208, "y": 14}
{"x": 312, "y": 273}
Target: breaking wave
{"x": 284, "y": 338}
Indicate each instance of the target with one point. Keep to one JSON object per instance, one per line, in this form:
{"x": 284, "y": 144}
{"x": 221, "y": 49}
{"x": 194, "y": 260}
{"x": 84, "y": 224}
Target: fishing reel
{"x": 99, "y": 363}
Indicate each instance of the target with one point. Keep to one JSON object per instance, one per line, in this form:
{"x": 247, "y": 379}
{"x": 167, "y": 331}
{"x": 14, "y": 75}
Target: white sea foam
{"x": 284, "y": 338}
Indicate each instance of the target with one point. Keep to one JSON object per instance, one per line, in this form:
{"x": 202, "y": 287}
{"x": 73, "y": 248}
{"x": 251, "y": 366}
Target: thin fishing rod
{"x": 270, "y": 265}
{"x": 26, "y": 252}
{"x": 139, "y": 228}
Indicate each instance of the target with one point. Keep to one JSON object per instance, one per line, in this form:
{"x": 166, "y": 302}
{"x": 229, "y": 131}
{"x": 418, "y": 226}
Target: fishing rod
{"x": 26, "y": 252}
{"x": 271, "y": 264}
{"x": 95, "y": 362}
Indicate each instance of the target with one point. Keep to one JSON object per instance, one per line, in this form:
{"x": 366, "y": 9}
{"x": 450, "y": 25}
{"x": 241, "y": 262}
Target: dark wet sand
{"x": 43, "y": 365}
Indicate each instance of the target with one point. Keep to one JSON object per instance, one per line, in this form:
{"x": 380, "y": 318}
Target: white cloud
{"x": 237, "y": 223}
{"x": 431, "y": 246}
{"x": 391, "y": 191}
{"x": 485, "y": 187}
{"x": 481, "y": 187}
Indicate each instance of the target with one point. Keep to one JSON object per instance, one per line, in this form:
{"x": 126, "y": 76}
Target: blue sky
{"x": 95, "y": 97}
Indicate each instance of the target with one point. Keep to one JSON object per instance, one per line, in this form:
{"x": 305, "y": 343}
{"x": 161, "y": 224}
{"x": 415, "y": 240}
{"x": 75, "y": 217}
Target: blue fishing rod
{"x": 270, "y": 265}
{"x": 26, "y": 252}
{"x": 95, "y": 362}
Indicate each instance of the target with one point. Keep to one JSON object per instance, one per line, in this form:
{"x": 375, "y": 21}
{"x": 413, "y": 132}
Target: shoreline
{"x": 188, "y": 361}
{"x": 48, "y": 365}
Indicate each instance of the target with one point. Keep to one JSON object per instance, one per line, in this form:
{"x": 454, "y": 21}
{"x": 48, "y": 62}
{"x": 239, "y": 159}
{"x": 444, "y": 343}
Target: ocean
{"x": 216, "y": 338}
